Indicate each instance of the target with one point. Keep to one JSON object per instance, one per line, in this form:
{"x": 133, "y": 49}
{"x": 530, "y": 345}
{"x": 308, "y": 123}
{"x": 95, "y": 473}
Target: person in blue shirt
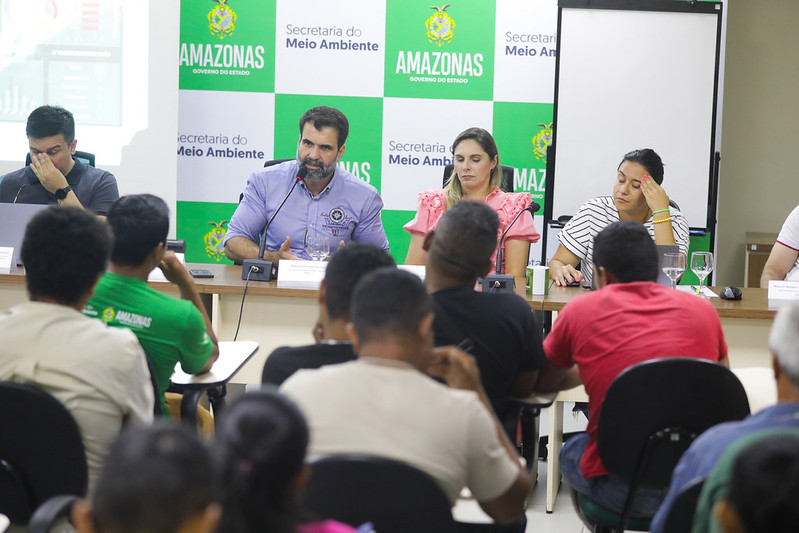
{"x": 701, "y": 457}
{"x": 328, "y": 202}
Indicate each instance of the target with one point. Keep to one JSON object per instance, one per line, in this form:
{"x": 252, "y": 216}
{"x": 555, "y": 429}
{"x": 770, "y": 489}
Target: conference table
{"x": 274, "y": 316}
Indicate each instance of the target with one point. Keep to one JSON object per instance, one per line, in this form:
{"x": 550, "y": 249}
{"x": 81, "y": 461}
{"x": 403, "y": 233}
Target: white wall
{"x": 759, "y": 183}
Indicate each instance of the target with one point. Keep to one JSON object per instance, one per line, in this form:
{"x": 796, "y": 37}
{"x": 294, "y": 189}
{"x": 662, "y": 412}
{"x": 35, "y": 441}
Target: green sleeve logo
{"x": 108, "y": 314}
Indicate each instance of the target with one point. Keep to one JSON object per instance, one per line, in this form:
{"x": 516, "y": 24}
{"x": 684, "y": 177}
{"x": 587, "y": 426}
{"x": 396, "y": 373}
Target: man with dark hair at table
{"x": 329, "y": 201}
{"x": 505, "y": 336}
{"x": 53, "y": 175}
{"x": 99, "y": 373}
{"x": 597, "y": 335}
{"x": 345, "y": 269}
{"x": 705, "y": 451}
{"x": 171, "y": 331}
{"x": 385, "y": 404}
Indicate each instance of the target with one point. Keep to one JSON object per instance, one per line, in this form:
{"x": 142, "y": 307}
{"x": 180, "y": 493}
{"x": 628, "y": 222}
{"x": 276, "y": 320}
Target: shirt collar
{"x": 329, "y": 186}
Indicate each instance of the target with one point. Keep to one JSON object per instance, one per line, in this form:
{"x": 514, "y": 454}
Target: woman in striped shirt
{"x": 637, "y": 195}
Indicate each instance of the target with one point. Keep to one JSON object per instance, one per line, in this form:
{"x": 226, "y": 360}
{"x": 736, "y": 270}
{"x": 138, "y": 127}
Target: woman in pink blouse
{"x": 476, "y": 176}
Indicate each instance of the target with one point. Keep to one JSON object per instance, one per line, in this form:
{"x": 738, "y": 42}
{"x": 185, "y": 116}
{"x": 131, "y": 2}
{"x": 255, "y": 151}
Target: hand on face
{"x": 656, "y": 197}
{"x": 173, "y": 269}
{"x": 50, "y": 177}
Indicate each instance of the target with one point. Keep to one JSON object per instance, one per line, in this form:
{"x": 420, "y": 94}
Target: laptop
{"x": 13, "y": 220}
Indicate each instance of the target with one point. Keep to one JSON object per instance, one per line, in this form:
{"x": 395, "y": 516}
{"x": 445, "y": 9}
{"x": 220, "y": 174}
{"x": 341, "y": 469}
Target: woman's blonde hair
{"x": 453, "y": 192}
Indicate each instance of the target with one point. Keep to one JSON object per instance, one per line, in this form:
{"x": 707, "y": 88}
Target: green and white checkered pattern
{"x": 409, "y": 78}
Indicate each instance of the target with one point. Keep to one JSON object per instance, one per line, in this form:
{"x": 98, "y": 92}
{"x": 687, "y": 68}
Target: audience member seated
{"x": 703, "y": 454}
{"x": 476, "y": 175}
{"x": 346, "y": 267}
{"x": 637, "y": 196}
{"x": 262, "y": 440}
{"x": 506, "y": 338}
{"x": 783, "y": 261}
{"x": 762, "y": 488}
{"x": 384, "y": 403}
{"x": 170, "y": 330}
{"x": 599, "y": 334}
{"x": 53, "y": 176}
{"x": 99, "y": 373}
{"x": 158, "y": 479}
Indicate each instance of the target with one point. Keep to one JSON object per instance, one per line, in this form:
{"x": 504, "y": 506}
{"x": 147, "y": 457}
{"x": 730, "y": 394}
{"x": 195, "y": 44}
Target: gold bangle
{"x": 663, "y": 220}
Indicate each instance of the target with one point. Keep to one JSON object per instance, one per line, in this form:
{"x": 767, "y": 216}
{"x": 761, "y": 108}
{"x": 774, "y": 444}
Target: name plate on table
{"x": 783, "y": 290}
{"x": 295, "y": 274}
{"x": 419, "y": 270}
{"x": 6, "y": 257}
{"x": 158, "y": 275}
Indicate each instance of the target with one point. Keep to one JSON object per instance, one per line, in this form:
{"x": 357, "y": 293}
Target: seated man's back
{"x": 346, "y": 267}
{"x": 171, "y": 331}
{"x": 393, "y": 410}
{"x": 283, "y": 362}
{"x": 505, "y": 338}
{"x": 507, "y": 343}
{"x": 99, "y": 374}
{"x": 385, "y": 404}
{"x": 598, "y": 335}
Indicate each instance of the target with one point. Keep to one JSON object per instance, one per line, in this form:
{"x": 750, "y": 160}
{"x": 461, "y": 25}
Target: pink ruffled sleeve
{"x": 430, "y": 206}
{"x": 507, "y": 206}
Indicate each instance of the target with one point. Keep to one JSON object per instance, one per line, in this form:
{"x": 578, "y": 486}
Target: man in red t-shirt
{"x": 599, "y": 334}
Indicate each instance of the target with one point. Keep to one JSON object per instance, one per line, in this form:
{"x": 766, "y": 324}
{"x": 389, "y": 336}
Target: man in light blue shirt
{"x": 329, "y": 202}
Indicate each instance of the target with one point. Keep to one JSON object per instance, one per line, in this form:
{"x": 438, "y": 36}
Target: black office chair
{"x": 50, "y": 513}
{"x": 650, "y": 415}
{"x": 681, "y": 514}
{"x": 84, "y": 157}
{"x": 506, "y": 183}
{"x": 269, "y": 164}
{"x": 41, "y": 451}
{"x": 393, "y": 496}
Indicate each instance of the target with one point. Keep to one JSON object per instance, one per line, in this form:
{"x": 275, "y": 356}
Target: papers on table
{"x": 694, "y": 289}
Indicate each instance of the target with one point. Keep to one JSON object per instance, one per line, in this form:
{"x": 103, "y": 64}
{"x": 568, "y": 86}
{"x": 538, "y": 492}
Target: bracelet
{"x": 660, "y": 211}
{"x": 663, "y": 220}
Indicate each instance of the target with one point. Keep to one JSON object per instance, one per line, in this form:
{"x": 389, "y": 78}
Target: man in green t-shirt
{"x": 169, "y": 330}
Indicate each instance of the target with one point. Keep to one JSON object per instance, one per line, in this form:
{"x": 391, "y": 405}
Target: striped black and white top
{"x": 592, "y": 217}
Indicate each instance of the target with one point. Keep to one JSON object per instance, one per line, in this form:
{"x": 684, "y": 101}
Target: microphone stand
{"x": 259, "y": 269}
{"x": 505, "y": 282}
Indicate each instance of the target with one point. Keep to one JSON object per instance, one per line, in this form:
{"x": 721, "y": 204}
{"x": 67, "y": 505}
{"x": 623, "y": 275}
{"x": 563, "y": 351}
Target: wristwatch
{"x": 60, "y": 194}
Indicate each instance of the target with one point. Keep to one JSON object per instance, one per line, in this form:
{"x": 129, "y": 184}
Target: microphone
{"x": 498, "y": 281}
{"x": 259, "y": 269}
{"x": 532, "y": 208}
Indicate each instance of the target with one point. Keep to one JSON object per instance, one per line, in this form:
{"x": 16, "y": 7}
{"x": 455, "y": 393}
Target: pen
{"x": 695, "y": 289}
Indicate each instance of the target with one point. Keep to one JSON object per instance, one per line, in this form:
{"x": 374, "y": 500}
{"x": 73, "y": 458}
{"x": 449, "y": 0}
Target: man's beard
{"x": 316, "y": 174}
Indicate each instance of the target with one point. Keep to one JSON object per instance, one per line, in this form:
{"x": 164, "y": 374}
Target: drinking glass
{"x": 317, "y": 247}
{"x": 702, "y": 265}
{"x": 674, "y": 266}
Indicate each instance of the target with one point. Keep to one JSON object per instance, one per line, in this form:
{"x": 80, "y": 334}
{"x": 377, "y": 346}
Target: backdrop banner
{"x": 408, "y": 75}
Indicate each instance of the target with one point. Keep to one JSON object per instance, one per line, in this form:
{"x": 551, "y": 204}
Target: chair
{"x": 268, "y": 164}
{"x": 41, "y": 451}
{"x": 650, "y": 415}
{"x": 393, "y": 496}
{"x": 50, "y": 513}
{"x": 525, "y": 416}
{"x": 506, "y": 184}
{"x": 84, "y": 157}
{"x": 681, "y": 514}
